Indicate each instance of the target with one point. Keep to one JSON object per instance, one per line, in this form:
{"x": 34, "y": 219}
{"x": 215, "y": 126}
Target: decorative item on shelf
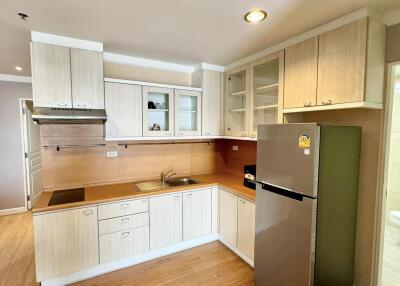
{"x": 158, "y": 105}
{"x": 163, "y": 106}
{"x": 151, "y": 105}
{"x": 156, "y": 127}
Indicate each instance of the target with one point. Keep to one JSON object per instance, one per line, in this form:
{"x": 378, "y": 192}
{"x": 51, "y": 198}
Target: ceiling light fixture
{"x": 255, "y": 16}
{"x": 18, "y": 68}
{"x": 22, "y": 16}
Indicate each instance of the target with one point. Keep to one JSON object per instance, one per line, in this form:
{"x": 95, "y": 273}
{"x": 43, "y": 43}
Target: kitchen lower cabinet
{"x": 165, "y": 221}
{"x": 246, "y": 227}
{"x": 196, "y": 214}
{"x": 125, "y": 243}
{"x": 228, "y": 217}
{"x": 65, "y": 242}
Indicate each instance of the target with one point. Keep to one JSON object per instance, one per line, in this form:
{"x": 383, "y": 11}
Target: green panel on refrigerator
{"x": 339, "y": 162}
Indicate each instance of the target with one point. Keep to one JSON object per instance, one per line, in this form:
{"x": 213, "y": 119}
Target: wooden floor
{"x": 210, "y": 264}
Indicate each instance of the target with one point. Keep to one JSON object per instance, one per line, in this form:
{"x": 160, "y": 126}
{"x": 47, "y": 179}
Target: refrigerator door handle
{"x": 292, "y": 194}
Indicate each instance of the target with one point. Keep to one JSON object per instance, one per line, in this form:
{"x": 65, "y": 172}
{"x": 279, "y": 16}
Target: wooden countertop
{"x": 108, "y": 193}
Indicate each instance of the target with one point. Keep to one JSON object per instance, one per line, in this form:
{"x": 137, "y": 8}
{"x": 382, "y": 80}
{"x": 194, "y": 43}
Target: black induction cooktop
{"x": 67, "y": 196}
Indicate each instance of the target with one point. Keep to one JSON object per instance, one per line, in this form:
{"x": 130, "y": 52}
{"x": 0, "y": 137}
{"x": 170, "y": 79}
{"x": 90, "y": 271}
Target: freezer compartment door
{"x": 285, "y": 238}
{"x": 287, "y": 156}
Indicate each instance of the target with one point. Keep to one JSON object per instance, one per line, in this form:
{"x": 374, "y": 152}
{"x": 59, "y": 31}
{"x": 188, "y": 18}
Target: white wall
{"x": 12, "y": 192}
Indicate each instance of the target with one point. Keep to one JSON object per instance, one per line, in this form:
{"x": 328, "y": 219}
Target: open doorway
{"x": 389, "y": 262}
{"x": 31, "y": 153}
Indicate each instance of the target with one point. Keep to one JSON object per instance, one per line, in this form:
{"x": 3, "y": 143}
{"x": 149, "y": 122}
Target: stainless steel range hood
{"x": 52, "y": 115}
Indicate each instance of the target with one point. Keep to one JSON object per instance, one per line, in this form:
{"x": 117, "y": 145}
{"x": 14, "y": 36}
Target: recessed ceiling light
{"x": 255, "y": 16}
{"x": 18, "y": 68}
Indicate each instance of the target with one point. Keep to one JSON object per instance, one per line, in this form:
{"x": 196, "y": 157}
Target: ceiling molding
{"x": 392, "y": 18}
{"x": 66, "y": 41}
{"x": 15, "y": 78}
{"x": 344, "y": 20}
{"x": 129, "y": 60}
{"x": 210, "y": 67}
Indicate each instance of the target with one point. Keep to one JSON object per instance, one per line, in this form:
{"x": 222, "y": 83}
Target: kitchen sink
{"x": 181, "y": 182}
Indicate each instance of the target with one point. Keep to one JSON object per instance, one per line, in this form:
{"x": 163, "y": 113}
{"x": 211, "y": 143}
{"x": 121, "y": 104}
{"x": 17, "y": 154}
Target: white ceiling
{"x": 179, "y": 31}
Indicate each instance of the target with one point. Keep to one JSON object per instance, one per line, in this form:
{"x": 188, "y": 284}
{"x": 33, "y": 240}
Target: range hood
{"x": 54, "y": 115}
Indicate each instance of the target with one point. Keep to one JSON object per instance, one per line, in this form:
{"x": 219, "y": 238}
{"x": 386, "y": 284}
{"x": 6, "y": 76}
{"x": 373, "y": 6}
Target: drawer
{"x": 123, "y": 223}
{"x": 123, "y": 208}
{"x": 122, "y": 244}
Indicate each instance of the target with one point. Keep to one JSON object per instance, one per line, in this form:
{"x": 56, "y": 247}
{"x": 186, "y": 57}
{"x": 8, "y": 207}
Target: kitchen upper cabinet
{"x": 65, "y": 242}
{"x": 301, "y": 71}
{"x": 158, "y": 111}
{"x": 66, "y": 78}
{"x": 196, "y": 214}
{"x": 212, "y": 99}
{"x": 246, "y": 227}
{"x": 51, "y": 75}
{"x": 187, "y": 113}
{"x": 351, "y": 63}
{"x": 87, "y": 79}
{"x": 266, "y": 91}
{"x": 237, "y": 101}
{"x": 124, "y": 110}
{"x": 228, "y": 223}
{"x": 165, "y": 221}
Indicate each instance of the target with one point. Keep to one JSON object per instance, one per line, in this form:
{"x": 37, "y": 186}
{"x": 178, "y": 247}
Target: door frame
{"x": 25, "y": 161}
{"x": 383, "y": 174}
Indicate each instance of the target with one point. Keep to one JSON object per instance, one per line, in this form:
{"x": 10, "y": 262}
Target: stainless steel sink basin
{"x": 181, "y": 182}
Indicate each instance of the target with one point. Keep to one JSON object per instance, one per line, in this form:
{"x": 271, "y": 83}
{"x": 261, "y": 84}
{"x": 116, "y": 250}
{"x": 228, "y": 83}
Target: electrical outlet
{"x": 235, "y": 148}
{"x": 112, "y": 154}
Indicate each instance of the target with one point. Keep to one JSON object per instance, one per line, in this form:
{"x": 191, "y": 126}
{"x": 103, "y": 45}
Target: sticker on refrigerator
{"x": 304, "y": 141}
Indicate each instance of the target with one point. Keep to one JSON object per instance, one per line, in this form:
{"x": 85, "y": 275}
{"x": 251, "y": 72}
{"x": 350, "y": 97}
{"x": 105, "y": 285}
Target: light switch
{"x": 235, "y": 148}
{"x": 112, "y": 154}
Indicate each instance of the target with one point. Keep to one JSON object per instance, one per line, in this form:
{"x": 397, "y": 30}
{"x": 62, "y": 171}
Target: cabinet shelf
{"x": 239, "y": 93}
{"x": 264, "y": 107}
{"x": 188, "y": 111}
{"x": 238, "y": 110}
{"x": 269, "y": 87}
{"x": 158, "y": 110}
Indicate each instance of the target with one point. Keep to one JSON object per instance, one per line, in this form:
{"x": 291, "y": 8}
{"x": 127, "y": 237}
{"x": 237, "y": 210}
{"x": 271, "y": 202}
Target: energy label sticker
{"x": 304, "y": 141}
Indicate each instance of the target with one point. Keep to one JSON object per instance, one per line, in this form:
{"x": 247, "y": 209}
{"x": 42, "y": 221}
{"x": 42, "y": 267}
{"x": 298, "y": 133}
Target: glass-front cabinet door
{"x": 237, "y": 102}
{"x": 158, "y": 111}
{"x": 266, "y": 92}
{"x": 187, "y": 112}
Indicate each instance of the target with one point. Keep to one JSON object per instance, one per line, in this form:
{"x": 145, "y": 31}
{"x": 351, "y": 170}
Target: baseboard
{"x": 12, "y": 211}
{"x": 112, "y": 266}
{"x": 238, "y": 252}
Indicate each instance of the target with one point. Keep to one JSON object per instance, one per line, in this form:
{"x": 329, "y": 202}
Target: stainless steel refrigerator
{"x": 306, "y": 204}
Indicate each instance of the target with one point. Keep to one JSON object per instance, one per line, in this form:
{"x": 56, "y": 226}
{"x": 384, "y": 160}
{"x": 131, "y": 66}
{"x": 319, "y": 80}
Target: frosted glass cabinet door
{"x": 158, "y": 111}
{"x": 266, "y": 91}
{"x": 237, "y": 102}
{"x": 187, "y": 113}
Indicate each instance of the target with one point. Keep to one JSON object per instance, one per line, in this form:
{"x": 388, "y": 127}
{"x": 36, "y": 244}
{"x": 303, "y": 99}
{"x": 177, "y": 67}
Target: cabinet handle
{"x": 125, "y": 220}
{"x": 307, "y": 104}
{"x": 242, "y": 201}
{"x": 328, "y": 102}
{"x": 125, "y": 234}
{"x": 81, "y": 105}
{"x": 125, "y": 206}
{"x": 189, "y": 195}
{"x": 88, "y": 212}
{"x": 176, "y": 198}
{"x": 61, "y": 104}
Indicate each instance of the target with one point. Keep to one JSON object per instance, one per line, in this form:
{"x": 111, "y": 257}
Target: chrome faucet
{"x": 166, "y": 176}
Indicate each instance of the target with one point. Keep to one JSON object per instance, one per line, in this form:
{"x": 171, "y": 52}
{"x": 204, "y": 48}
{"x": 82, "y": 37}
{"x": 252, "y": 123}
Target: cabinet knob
{"x": 125, "y": 220}
{"x": 81, "y": 105}
{"x": 307, "y": 104}
{"x": 124, "y": 205}
{"x": 125, "y": 234}
{"x": 189, "y": 195}
{"x": 61, "y": 104}
{"x": 328, "y": 102}
{"x": 88, "y": 212}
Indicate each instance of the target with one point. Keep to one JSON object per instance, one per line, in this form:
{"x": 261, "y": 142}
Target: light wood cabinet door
{"x": 158, "y": 111}
{"x": 196, "y": 214}
{"x": 124, "y": 110}
{"x": 126, "y": 243}
{"x": 301, "y": 71}
{"x": 87, "y": 79}
{"x": 228, "y": 217}
{"x": 51, "y": 76}
{"x": 341, "y": 64}
{"x": 187, "y": 112}
{"x": 165, "y": 221}
{"x": 65, "y": 242}
{"x": 246, "y": 227}
{"x": 211, "y": 109}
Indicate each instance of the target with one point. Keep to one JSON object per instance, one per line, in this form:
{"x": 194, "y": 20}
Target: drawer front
{"x": 123, "y": 208}
{"x": 122, "y": 244}
{"x": 123, "y": 223}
